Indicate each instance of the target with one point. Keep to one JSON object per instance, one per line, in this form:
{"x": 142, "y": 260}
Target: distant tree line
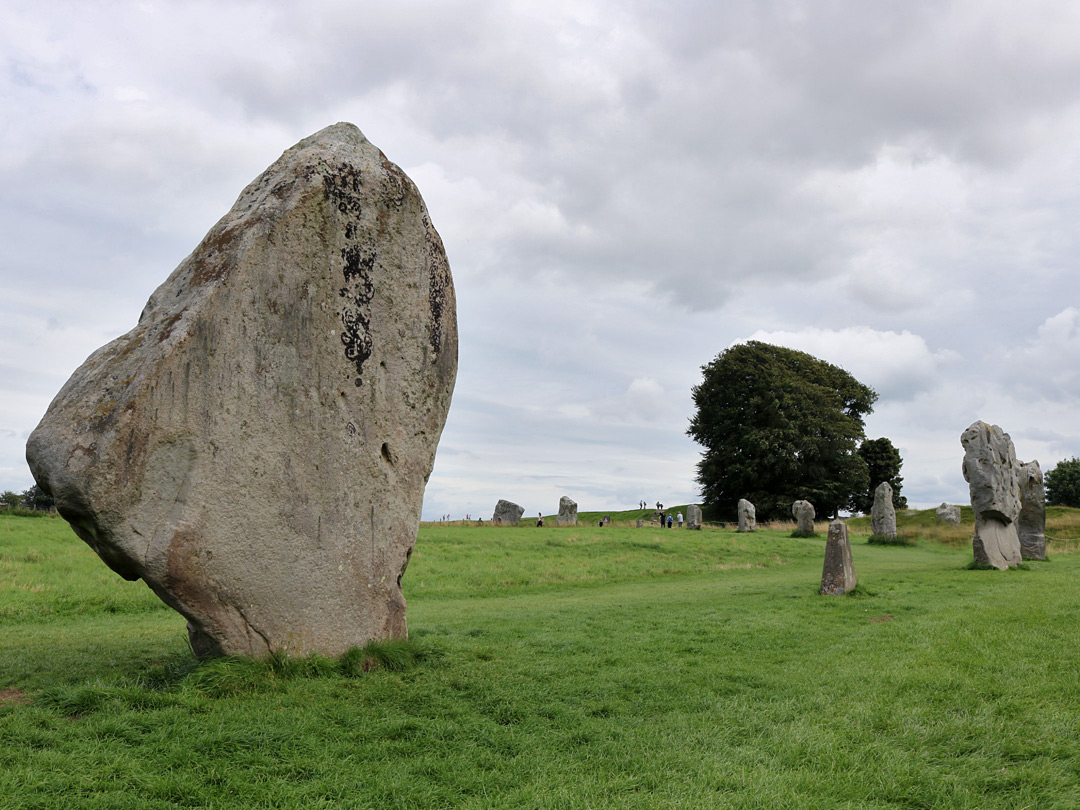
{"x": 778, "y": 425}
{"x": 33, "y": 499}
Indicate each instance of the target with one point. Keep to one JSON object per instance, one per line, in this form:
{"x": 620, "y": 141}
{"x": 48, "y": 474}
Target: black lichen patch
{"x": 439, "y": 286}
{"x": 341, "y": 188}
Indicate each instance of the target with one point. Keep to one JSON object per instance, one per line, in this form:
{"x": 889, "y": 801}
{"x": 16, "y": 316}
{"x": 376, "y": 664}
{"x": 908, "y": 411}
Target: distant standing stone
{"x": 948, "y": 514}
{"x": 1032, "y": 523}
{"x": 693, "y": 516}
{"x": 567, "y": 512}
{"x": 883, "y": 514}
{"x": 640, "y": 523}
{"x": 747, "y": 516}
{"x": 838, "y": 572}
{"x": 507, "y": 513}
{"x": 992, "y": 473}
{"x": 804, "y": 514}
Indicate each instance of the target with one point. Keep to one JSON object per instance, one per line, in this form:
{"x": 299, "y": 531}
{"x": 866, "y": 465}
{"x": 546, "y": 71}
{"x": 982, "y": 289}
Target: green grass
{"x": 561, "y": 668}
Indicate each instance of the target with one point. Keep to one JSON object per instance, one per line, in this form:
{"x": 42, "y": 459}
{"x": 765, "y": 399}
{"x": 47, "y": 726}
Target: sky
{"x": 624, "y": 190}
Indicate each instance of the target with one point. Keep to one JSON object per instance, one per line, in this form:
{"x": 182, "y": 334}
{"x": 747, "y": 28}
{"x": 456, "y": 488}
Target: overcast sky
{"x": 624, "y": 190}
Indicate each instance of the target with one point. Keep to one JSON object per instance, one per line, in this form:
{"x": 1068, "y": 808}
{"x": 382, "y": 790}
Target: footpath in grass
{"x": 602, "y": 668}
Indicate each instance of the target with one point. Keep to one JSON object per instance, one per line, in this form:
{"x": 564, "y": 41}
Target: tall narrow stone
{"x": 1031, "y": 525}
{"x": 838, "y": 571}
{"x": 693, "y": 516}
{"x": 992, "y": 473}
{"x": 747, "y": 516}
{"x": 256, "y": 448}
{"x": 883, "y": 514}
{"x": 567, "y": 512}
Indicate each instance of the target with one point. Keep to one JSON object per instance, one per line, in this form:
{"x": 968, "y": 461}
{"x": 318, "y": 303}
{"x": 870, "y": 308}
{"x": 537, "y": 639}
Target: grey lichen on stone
{"x": 992, "y": 473}
{"x": 1031, "y": 525}
{"x": 804, "y": 514}
{"x": 256, "y": 448}
{"x": 507, "y": 513}
{"x": 838, "y": 570}
{"x": 567, "y": 512}
{"x": 747, "y": 516}
{"x": 693, "y": 516}
{"x": 947, "y": 513}
{"x": 883, "y": 513}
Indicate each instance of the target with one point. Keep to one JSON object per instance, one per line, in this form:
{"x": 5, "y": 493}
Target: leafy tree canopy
{"x": 1063, "y": 483}
{"x": 36, "y": 498}
{"x": 778, "y": 425}
{"x": 883, "y": 463}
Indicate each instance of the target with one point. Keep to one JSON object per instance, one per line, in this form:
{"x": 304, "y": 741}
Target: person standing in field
{"x": 680, "y": 520}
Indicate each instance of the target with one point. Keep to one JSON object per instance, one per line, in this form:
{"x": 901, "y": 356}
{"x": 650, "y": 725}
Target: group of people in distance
{"x": 670, "y": 520}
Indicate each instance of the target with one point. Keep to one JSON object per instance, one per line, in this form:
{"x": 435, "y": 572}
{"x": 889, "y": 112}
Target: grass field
{"x": 580, "y": 667}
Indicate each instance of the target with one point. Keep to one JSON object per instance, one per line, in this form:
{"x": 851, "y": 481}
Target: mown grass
{"x": 609, "y": 668}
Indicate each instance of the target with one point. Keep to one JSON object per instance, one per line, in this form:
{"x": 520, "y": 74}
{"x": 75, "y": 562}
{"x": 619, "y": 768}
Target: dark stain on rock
{"x": 439, "y": 287}
{"x": 213, "y": 264}
{"x": 341, "y": 188}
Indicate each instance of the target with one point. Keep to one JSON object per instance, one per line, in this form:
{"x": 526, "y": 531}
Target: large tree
{"x": 778, "y": 425}
{"x": 883, "y": 463}
{"x": 1063, "y": 483}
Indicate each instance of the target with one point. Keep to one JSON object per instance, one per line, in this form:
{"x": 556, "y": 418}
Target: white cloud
{"x": 896, "y": 365}
{"x": 1048, "y": 365}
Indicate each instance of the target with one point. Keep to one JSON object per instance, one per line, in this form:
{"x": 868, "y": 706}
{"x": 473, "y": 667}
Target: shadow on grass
{"x": 181, "y": 680}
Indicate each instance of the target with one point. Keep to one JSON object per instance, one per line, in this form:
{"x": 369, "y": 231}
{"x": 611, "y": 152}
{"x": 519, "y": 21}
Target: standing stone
{"x": 256, "y": 448}
{"x": 747, "y": 516}
{"x": 804, "y": 514}
{"x": 507, "y": 513}
{"x": 883, "y": 514}
{"x": 1031, "y": 526}
{"x": 640, "y": 523}
{"x": 838, "y": 572}
{"x": 992, "y": 473}
{"x": 948, "y": 514}
{"x": 567, "y": 512}
{"x": 693, "y": 516}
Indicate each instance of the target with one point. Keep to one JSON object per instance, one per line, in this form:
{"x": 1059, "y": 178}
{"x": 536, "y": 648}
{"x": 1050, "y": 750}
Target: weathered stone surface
{"x": 567, "y": 512}
{"x": 882, "y": 513}
{"x": 992, "y": 473}
{"x": 640, "y": 523}
{"x": 948, "y": 514}
{"x": 256, "y": 448}
{"x": 507, "y": 513}
{"x": 1031, "y": 525}
{"x": 804, "y": 514}
{"x": 747, "y": 516}
{"x": 693, "y": 516}
{"x": 838, "y": 572}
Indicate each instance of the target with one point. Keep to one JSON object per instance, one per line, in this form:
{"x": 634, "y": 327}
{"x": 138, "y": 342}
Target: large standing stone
{"x": 948, "y": 514}
{"x": 747, "y": 516}
{"x": 693, "y": 516}
{"x": 1031, "y": 525}
{"x": 804, "y": 514}
{"x": 883, "y": 514}
{"x": 567, "y": 512}
{"x": 992, "y": 473}
{"x": 256, "y": 448}
{"x": 838, "y": 572}
{"x": 507, "y": 513}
